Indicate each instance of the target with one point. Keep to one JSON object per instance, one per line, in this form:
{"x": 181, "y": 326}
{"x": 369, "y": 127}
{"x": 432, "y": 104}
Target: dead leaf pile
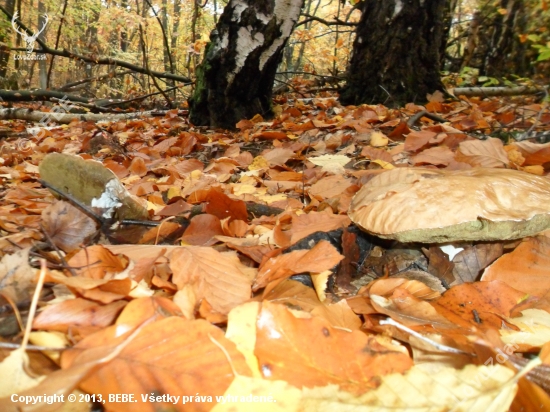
{"x": 238, "y": 281}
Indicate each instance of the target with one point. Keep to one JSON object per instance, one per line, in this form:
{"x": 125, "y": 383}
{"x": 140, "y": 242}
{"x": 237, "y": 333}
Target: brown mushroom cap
{"x": 433, "y": 206}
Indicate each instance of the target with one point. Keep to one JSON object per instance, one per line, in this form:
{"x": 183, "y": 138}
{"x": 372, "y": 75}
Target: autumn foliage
{"x": 249, "y": 286}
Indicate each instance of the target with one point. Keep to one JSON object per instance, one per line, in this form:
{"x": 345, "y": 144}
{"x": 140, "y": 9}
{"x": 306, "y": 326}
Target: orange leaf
{"x": 220, "y": 205}
{"x": 491, "y": 301}
{"x": 202, "y": 230}
{"x": 310, "y": 352}
{"x": 527, "y": 268}
{"x": 323, "y": 256}
{"x": 171, "y": 356}
{"x": 75, "y": 313}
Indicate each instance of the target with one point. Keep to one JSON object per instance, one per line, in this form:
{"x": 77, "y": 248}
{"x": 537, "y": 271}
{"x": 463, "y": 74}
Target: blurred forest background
{"x": 170, "y": 36}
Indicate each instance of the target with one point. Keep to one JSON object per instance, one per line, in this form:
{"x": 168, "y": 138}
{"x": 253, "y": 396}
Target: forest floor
{"x": 186, "y": 268}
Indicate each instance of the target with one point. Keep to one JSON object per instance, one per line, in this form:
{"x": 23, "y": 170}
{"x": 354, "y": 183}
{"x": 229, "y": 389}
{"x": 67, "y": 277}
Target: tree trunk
{"x": 448, "y": 15}
{"x": 506, "y": 54}
{"x": 42, "y": 64}
{"x": 396, "y": 52}
{"x": 235, "y": 78}
{"x": 4, "y": 38}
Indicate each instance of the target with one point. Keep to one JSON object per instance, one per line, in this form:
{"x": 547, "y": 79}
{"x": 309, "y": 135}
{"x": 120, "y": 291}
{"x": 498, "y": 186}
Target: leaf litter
{"x": 245, "y": 281}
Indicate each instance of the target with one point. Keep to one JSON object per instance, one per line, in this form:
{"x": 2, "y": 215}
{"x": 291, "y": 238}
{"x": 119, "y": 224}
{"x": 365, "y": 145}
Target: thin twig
{"x": 59, "y": 253}
{"x": 443, "y": 348}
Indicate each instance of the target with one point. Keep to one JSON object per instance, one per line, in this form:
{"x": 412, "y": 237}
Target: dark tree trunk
{"x": 506, "y": 54}
{"x": 235, "y": 78}
{"x": 396, "y": 52}
{"x": 447, "y": 24}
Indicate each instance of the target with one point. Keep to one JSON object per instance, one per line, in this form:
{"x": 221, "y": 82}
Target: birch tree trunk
{"x": 235, "y": 78}
{"x": 396, "y": 52}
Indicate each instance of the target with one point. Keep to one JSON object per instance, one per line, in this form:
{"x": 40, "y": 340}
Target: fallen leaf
{"x": 170, "y": 356}
{"x": 526, "y": 268}
{"x": 323, "y": 256}
{"x": 216, "y": 277}
{"x": 67, "y": 226}
{"x": 352, "y": 360}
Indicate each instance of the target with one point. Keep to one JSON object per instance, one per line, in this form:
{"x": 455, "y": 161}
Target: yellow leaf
{"x": 472, "y": 389}
{"x": 241, "y": 330}
{"x": 257, "y": 118}
{"x": 534, "y": 170}
{"x": 259, "y": 162}
{"x": 320, "y": 281}
{"x": 385, "y": 165}
{"x": 253, "y": 394}
{"x": 19, "y": 380}
{"x": 534, "y": 329}
{"x": 378, "y": 139}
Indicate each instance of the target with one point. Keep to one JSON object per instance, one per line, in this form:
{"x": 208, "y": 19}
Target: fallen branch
{"x": 496, "y": 91}
{"x": 65, "y": 118}
{"x": 39, "y": 95}
{"x": 82, "y": 82}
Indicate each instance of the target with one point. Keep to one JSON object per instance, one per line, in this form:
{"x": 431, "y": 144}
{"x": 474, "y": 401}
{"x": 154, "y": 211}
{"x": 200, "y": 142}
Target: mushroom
{"x": 437, "y": 206}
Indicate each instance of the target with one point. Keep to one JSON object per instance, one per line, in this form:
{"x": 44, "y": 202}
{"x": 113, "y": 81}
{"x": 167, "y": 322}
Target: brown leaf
{"x": 473, "y": 259}
{"x": 76, "y": 313}
{"x": 406, "y": 308}
{"x": 348, "y": 266}
{"x": 292, "y": 294}
{"x": 97, "y": 262}
{"x": 439, "y": 156}
{"x": 376, "y": 154}
{"x": 67, "y": 226}
{"x": 202, "y": 229}
{"x": 418, "y": 139}
{"x": 216, "y": 277}
{"x": 222, "y": 206}
{"x": 277, "y": 156}
{"x": 306, "y": 224}
{"x": 270, "y": 135}
{"x": 17, "y": 277}
{"x": 329, "y": 186}
{"x": 439, "y": 264}
{"x": 483, "y": 153}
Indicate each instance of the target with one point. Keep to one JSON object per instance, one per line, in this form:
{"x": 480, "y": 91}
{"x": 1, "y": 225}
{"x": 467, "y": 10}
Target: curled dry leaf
{"x": 426, "y": 205}
{"x": 533, "y": 333}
